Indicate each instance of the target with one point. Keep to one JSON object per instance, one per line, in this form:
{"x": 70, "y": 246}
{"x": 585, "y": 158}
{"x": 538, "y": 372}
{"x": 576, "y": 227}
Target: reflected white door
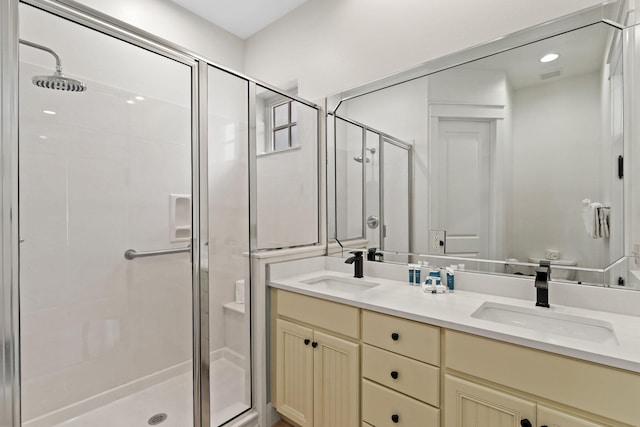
{"x": 461, "y": 162}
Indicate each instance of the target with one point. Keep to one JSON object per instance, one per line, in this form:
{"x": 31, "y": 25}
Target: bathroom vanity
{"x": 378, "y": 352}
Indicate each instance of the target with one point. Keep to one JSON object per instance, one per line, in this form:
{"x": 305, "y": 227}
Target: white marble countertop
{"x": 453, "y": 311}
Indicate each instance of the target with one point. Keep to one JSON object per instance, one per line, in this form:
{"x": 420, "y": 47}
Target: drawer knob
{"x": 314, "y": 344}
{"x": 395, "y": 336}
{"x": 394, "y": 375}
{"x": 307, "y": 341}
{"x": 395, "y": 418}
{"x": 525, "y": 423}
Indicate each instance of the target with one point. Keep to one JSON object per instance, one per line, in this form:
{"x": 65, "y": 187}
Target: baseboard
{"x": 272, "y": 416}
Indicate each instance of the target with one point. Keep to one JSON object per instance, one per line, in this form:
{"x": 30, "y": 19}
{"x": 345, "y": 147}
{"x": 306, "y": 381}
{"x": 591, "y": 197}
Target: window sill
{"x": 285, "y": 150}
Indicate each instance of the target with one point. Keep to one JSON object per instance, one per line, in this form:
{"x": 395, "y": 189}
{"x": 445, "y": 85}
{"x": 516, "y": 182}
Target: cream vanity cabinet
{"x": 317, "y": 361}
{"x": 495, "y": 384}
{"x": 400, "y": 372}
{"x": 417, "y": 375}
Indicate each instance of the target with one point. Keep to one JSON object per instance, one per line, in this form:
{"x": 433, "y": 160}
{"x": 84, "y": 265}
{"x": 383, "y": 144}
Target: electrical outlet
{"x": 437, "y": 239}
{"x": 636, "y": 253}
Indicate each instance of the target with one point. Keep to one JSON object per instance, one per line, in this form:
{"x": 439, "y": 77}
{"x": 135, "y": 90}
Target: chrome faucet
{"x": 543, "y": 273}
{"x": 358, "y": 261}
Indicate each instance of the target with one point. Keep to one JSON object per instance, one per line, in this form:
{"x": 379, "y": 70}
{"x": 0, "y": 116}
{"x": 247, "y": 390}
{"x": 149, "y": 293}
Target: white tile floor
{"x": 173, "y": 397}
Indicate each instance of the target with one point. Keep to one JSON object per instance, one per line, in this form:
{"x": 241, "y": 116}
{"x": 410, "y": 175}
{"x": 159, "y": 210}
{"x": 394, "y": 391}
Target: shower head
{"x": 57, "y": 81}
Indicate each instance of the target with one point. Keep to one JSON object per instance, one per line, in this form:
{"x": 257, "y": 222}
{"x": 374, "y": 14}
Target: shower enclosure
{"x": 136, "y": 213}
{"x": 375, "y": 205}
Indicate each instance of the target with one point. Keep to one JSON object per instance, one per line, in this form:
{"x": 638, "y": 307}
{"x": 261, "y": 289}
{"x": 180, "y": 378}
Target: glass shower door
{"x": 227, "y": 258}
{"x": 396, "y": 184}
{"x": 349, "y": 143}
{"x": 106, "y": 339}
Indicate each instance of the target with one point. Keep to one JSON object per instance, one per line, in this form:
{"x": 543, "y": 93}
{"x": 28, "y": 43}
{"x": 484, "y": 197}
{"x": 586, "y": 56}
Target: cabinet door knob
{"x": 395, "y": 418}
{"x": 525, "y": 423}
{"x": 314, "y": 344}
{"x": 307, "y": 341}
{"x": 394, "y": 375}
{"x": 395, "y": 336}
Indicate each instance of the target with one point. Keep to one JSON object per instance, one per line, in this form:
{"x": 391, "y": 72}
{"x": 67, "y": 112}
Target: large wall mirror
{"x": 516, "y": 158}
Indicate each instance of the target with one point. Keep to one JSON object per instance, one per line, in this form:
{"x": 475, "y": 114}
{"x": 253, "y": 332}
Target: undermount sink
{"x": 343, "y": 284}
{"x": 549, "y": 322}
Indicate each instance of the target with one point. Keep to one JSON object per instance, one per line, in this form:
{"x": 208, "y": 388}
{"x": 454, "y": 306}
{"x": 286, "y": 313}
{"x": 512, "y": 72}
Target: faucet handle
{"x": 543, "y": 272}
{"x": 356, "y": 253}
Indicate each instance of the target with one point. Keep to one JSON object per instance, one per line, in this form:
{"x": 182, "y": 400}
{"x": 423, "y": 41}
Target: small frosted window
{"x": 281, "y": 140}
{"x": 284, "y": 118}
{"x": 281, "y": 115}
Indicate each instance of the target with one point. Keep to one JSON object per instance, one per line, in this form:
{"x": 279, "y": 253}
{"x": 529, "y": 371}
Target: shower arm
{"x": 46, "y": 49}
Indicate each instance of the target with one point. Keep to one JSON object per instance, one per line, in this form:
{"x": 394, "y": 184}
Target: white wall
{"x": 287, "y": 183}
{"x": 332, "y": 45}
{"x": 166, "y": 19}
{"x": 556, "y": 150}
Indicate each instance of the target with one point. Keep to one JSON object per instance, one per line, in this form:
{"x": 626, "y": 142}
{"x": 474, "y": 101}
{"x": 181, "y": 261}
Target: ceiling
{"x": 581, "y": 51}
{"x": 241, "y": 17}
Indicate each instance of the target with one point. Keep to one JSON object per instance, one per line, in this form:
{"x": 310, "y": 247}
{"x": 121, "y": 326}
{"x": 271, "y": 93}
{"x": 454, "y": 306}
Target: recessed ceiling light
{"x": 549, "y": 57}
{"x": 51, "y": 113}
{"x": 139, "y": 98}
{"x": 43, "y": 137}
{"x": 130, "y": 101}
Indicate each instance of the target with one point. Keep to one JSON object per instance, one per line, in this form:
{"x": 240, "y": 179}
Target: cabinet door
{"x": 336, "y": 382}
{"x": 472, "y": 405}
{"x": 551, "y": 418}
{"x": 294, "y": 372}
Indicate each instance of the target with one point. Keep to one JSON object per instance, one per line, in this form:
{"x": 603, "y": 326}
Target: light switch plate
{"x": 636, "y": 253}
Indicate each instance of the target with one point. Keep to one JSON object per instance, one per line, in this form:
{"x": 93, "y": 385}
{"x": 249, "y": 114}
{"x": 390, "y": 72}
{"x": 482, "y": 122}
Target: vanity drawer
{"x": 332, "y": 316}
{"x": 413, "y": 378}
{"x": 406, "y": 337}
{"x": 380, "y": 405}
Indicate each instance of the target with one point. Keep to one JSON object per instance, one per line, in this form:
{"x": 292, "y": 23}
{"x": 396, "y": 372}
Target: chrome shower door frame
{"x": 9, "y": 289}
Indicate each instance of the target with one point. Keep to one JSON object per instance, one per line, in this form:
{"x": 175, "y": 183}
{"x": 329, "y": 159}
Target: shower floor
{"x": 173, "y": 397}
